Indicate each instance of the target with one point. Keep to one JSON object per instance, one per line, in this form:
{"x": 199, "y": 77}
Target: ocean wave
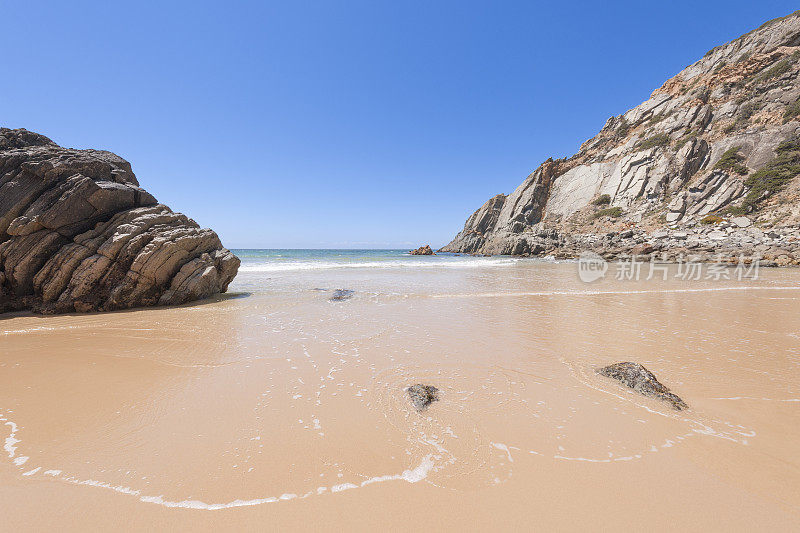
{"x": 410, "y": 264}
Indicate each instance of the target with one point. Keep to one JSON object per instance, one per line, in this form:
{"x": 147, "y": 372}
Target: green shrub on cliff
{"x": 613, "y": 212}
{"x": 791, "y": 111}
{"x": 603, "y": 199}
{"x": 711, "y": 219}
{"x": 659, "y": 139}
{"x": 778, "y": 69}
{"x": 623, "y": 128}
{"x": 731, "y": 161}
{"x": 775, "y": 175}
{"x": 734, "y": 211}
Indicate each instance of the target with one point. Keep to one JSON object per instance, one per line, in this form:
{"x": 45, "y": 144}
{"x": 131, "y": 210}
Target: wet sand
{"x": 281, "y": 409}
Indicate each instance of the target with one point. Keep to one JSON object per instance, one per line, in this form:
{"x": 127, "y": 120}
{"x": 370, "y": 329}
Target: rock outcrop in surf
{"x": 78, "y": 234}
{"x": 716, "y": 142}
{"x": 643, "y": 381}
{"x": 423, "y": 250}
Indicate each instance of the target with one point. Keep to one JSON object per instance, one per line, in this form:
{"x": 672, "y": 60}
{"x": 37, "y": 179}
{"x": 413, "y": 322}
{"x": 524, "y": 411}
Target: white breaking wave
{"x": 410, "y": 264}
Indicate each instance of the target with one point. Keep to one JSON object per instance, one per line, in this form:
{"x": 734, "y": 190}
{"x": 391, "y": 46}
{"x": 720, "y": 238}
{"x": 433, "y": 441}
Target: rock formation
{"x": 720, "y": 138}
{"x": 422, "y": 395}
{"x": 77, "y": 233}
{"x": 643, "y": 381}
{"x": 422, "y": 250}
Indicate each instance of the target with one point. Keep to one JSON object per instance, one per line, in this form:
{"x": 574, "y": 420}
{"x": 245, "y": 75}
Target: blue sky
{"x": 343, "y": 124}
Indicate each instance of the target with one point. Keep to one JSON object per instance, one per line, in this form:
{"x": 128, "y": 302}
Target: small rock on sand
{"x": 422, "y": 395}
{"x": 643, "y": 381}
{"x": 342, "y": 294}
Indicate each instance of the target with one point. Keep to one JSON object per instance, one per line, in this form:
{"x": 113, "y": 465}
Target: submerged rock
{"x": 422, "y": 250}
{"x": 77, "y": 233}
{"x": 342, "y": 294}
{"x": 422, "y": 395}
{"x": 643, "y": 381}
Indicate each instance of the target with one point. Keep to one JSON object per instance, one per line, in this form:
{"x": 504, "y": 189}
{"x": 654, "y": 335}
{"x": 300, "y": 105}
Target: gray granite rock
{"x": 660, "y": 163}
{"x": 742, "y": 222}
{"x": 77, "y": 233}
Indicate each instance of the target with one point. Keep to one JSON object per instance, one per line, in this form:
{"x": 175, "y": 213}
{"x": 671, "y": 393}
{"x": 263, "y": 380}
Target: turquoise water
{"x": 368, "y": 270}
{"x": 274, "y": 260}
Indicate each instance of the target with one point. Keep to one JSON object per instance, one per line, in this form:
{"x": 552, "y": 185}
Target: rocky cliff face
{"x": 77, "y": 233}
{"x": 717, "y": 141}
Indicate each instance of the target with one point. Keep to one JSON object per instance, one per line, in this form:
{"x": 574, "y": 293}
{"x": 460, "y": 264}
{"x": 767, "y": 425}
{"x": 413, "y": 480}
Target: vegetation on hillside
{"x": 778, "y": 69}
{"x": 731, "y": 161}
{"x": 792, "y": 110}
{"x": 712, "y": 219}
{"x": 613, "y": 212}
{"x": 775, "y": 175}
{"x": 659, "y": 139}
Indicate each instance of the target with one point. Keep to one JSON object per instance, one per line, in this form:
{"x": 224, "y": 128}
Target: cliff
{"x": 77, "y": 233}
{"x": 716, "y": 142}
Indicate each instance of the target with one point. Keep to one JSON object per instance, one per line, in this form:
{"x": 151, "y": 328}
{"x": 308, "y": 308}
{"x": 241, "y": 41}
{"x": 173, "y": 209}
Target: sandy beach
{"x": 391, "y": 266}
{"x": 274, "y": 407}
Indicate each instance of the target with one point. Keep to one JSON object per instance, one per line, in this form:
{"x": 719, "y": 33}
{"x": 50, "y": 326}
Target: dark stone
{"x": 342, "y": 294}
{"x": 643, "y": 381}
{"x": 422, "y": 395}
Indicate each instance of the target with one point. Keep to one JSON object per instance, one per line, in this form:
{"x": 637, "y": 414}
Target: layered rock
{"x": 77, "y": 233}
{"x": 702, "y": 144}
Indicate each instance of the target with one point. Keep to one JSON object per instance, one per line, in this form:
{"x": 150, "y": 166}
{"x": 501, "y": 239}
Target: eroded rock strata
{"x": 717, "y": 142}
{"x": 77, "y": 233}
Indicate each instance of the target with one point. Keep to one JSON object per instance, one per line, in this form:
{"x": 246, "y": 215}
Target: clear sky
{"x": 321, "y": 124}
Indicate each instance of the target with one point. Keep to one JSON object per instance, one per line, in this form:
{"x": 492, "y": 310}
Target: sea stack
{"x": 422, "y": 250}
{"x": 78, "y": 234}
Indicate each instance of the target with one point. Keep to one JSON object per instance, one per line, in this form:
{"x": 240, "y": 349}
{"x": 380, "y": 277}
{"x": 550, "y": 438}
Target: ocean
{"x": 293, "y": 260}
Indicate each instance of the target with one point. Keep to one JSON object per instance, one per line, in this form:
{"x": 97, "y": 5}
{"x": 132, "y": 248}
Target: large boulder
{"x": 77, "y": 233}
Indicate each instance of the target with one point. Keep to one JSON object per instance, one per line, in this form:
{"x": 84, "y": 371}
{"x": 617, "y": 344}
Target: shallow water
{"x": 275, "y": 403}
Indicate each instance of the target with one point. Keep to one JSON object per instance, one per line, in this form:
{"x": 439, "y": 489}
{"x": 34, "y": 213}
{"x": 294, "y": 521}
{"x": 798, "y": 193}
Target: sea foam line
{"x": 413, "y": 475}
{"x": 601, "y": 292}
